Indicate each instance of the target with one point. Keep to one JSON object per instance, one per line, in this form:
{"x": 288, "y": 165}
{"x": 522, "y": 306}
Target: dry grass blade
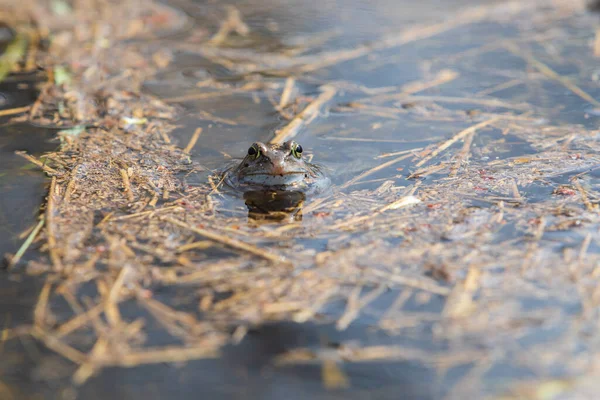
{"x": 550, "y": 73}
{"x": 50, "y": 226}
{"x": 111, "y": 309}
{"x": 149, "y": 213}
{"x": 354, "y": 220}
{"x": 78, "y": 321}
{"x": 398, "y": 153}
{"x": 460, "y": 135}
{"x": 584, "y": 197}
{"x": 34, "y": 43}
{"x": 444, "y": 76}
{"x": 167, "y": 354}
{"x": 287, "y": 93}
{"x": 597, "y": 43}
{"x": 426, "y": 284}
{"x": 369, "y": 140}
{"x": 127, "y": 185}
{"x": 201, "y": 96}
{"x": 355, "y": 304}
{"x": 333, "y": 377}
{"x": 400, "y": 203}
{"x": 502, "y": 86}
{"x": 66, "y": 351}
{"x": 375, "y": 169}
{"x": 233, "y": 23}
{"x": 37, "y": 162}
{"x": 89, "y": 368}
{"x": 423, "y": 172}
{"x": 463, "y": 155}
{"x": 193, "y": 141}
{"x": 348, "y": 353}
{"x": 19, "y": 254}
{"x": 494, "y": 103}
{"x": 41, "y": 308}
{"x": 233, "y": 243}
{"x": 12, "y": 111}
{"x": 460, "y": 302}
{"x": 305, "y": 117}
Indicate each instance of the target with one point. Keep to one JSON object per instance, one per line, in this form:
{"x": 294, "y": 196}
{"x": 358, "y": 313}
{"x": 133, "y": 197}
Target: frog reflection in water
{"x": 275, "y": 179}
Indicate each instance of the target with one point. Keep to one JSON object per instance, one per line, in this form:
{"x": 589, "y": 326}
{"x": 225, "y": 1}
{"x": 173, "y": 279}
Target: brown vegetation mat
{"x": 120, "y": 222}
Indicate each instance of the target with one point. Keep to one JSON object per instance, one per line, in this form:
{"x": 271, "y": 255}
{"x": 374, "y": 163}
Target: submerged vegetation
{"x": 469, "y": 228}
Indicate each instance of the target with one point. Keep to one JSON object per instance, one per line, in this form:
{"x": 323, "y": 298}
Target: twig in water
{"x": 432, "y": 169}
{"x": 200, "y": 96}
{"x": 193, "y": 141}
{"x": 68, "y": 352}
{"x": 448, "y": 99}
{"x": 400, "y": 203}
{"x": 355, "y": 303}
{"x": 444, "y": 76}
{"x": 167, "y": 354}
{"x": 12, "y": 111}
{"x": 37, "y": 162}
{"x": 443, "y": 146}
{"x": 78, "y": 321}
{"x": 370, "y": 140}
{"x": 149, "y": 213}
{"x": 426, "y": 284}
{"x": 230, "y": 242}
{"x": 499, "y": 87}
{"x": 463, "y": 155}
{"x": 397, "y": 153}
{"x": 588, "y": 205}
{"x": 41, "y": 307}
{"x": 550, "y": 73}
{"x": 515, "y": 190}
{"x": 375, "y": 169}
{"x": 17, "y": 257}
{"x": 597, "y": 43}
{"x": 111, "y": 309}
{"x": 305, "y": 117}
{"x": 287, "y": 93}
{"x": 34, "y": 42}
{"x": 233, "y": 23}
{"x": 460, "y": 302}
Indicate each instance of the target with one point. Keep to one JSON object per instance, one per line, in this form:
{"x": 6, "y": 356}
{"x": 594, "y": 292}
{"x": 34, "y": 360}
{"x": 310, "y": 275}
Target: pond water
{"x": 415, "y": 82}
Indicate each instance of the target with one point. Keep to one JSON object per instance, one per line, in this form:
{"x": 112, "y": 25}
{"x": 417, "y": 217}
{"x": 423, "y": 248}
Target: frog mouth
{"x": 274, "y": 174}
{"x": 269, "y": 179}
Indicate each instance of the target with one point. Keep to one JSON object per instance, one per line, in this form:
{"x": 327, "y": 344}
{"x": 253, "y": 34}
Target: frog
{"x": 276, "y": 168}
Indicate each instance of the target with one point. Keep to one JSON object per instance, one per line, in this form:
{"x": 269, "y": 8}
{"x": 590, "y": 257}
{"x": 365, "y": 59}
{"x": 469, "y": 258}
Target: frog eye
{"x": 254, "y": 151}
{"x": 297, "y": 150}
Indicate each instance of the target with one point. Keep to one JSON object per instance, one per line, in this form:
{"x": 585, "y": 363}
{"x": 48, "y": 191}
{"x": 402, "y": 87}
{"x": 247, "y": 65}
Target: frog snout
{"x": 278, "y": 169}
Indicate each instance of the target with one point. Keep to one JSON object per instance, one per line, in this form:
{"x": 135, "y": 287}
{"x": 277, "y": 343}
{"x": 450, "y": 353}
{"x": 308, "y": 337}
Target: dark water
{"x": 338, "y": 142}
{"x": 22, "y": 186}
